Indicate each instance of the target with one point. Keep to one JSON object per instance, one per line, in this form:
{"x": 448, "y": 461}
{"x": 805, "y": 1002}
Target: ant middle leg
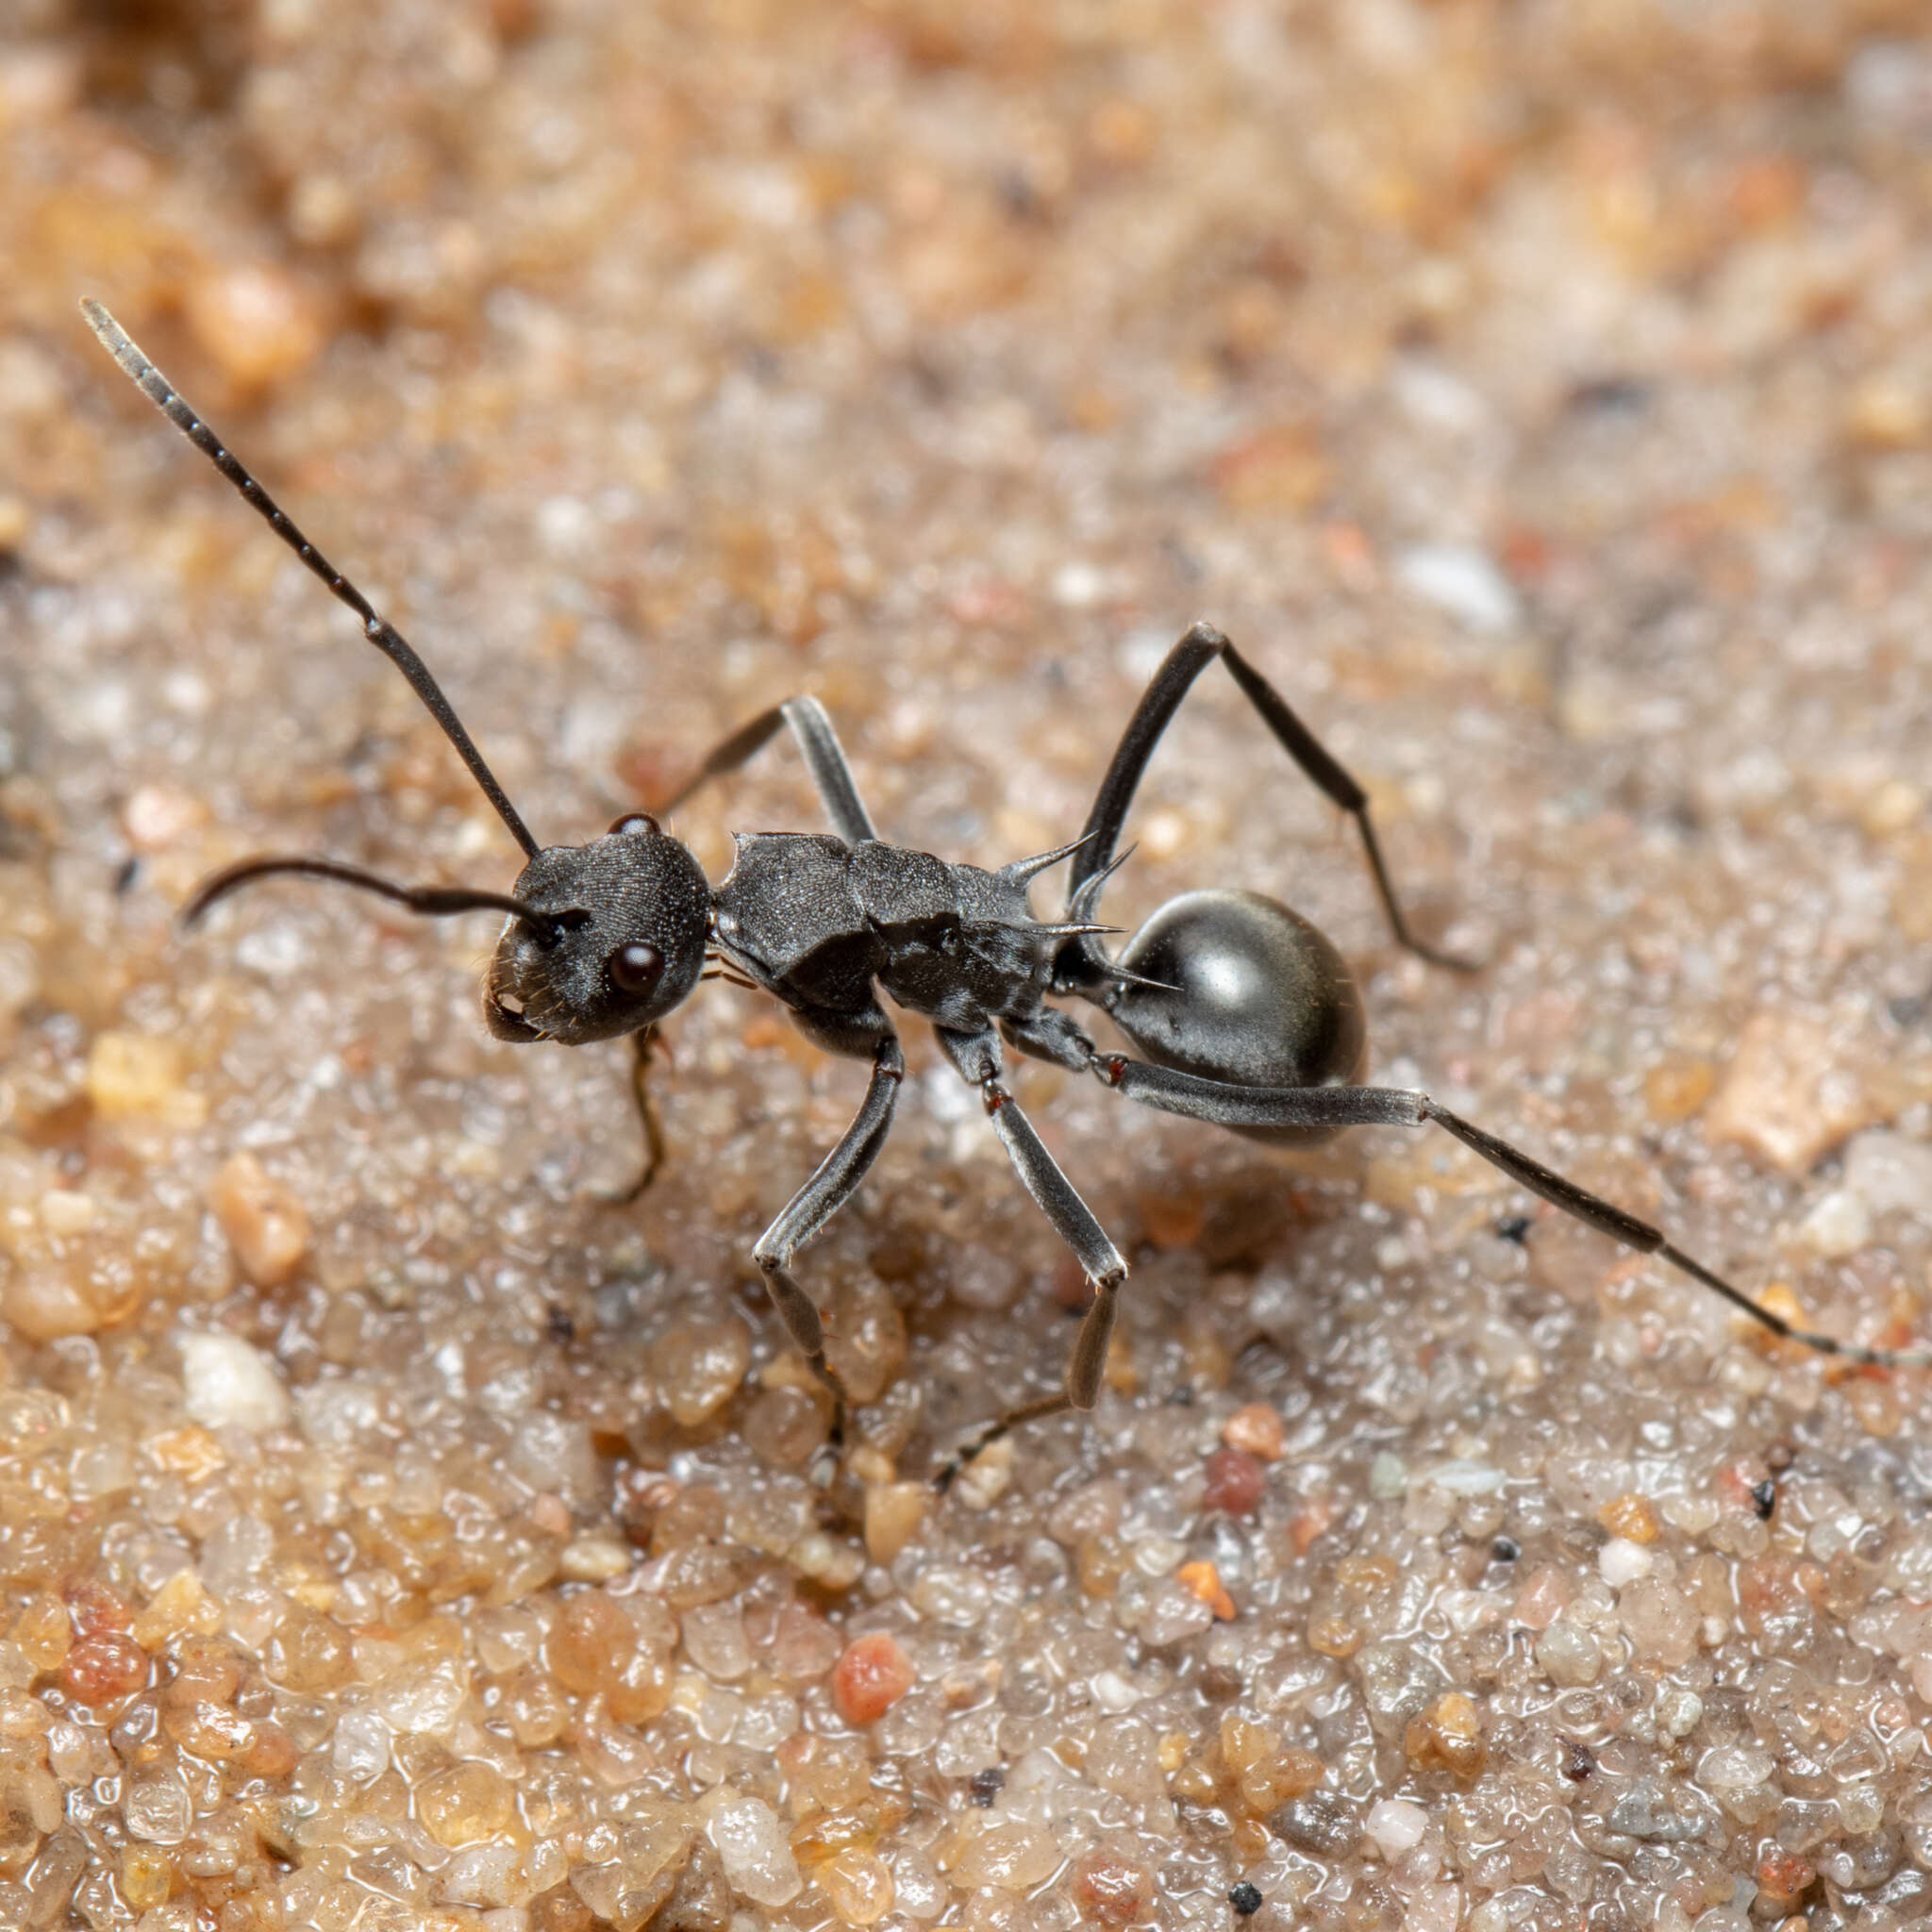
{"x": 1227, "y": 1104}
{"x": 976, "y": 1058}
{"x": 832, "y": 1184}
{"x": 824, "y": 759}
{"x": 1170, "y": 685}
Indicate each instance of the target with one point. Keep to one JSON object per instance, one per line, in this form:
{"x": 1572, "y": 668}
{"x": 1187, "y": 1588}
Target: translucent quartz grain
{"x": 758, "y": 1860}
{"x": 857, "y": 1886}
{"x": 699, "y": 1365}
{"x": 1012, "y": 1857}
{"x": 648, "y": 1858}
{"x": 158, "y": 1806}
{"x": 465, "y": 1802}
{"x": 714, "y": 1639}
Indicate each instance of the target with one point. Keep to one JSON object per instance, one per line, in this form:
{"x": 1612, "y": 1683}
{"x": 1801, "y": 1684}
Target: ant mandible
{"x": 1246, "y": 1015}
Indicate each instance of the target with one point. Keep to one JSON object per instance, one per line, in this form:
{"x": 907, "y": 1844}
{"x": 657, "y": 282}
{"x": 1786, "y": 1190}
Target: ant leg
{"x": 1230, "y": 1106}
{"x": 1162, "y": 698}
{"x": 824, "y": 759}
{"x": 831, "y": 1186}
{"x": 976, "y": 1058}
{"x": 643, "y": 1043}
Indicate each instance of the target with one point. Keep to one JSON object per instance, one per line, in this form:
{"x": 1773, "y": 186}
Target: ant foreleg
{"x": 824, "y": 759}
{"x": 1227, "y": 1104}
{"x": 832, "y": 1184}
{"x": 642, "y": 1044}
{"x": 1162, "y": 698}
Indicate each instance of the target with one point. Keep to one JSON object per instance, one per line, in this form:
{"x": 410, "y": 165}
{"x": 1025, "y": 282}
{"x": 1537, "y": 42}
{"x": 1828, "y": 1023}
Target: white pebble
{"x": 1436, "y": 399}
{"x": 1735, "y": 1768}
{"x": 758, "y": 1860}
{"x": 565, "y": 525}
{"x": 1839, "y": 1223}
{"x": 1396, "y": 1825}
{"x": 1388, "y": 1476}
{"x": 1076, "y": 586}
{"x": 65, "y": 1213}
{"x": 228, "y": 1382}
{"x": 1680, "y": 1712}
{"x": 1569, "y": 1654}
{"x": 984, "y": 1280}
{"x": 1621, "y": 1561}
{"x": 595, "y": 1558}
{"x": 1139, "y": 656}
{"x": 1124, "y": 1757}
{"x": 1886, "y": 81}
{"x": 919, "y": 1891}
{"x": 985, "y": 1479}
{"x": 1462, "y": 1477}
{"x": 1887, "y": 1171}
{"x": 1460, "y": 579}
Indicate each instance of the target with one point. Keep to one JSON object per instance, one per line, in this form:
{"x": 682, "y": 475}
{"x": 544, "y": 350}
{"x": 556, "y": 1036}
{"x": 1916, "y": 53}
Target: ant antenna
{"x": 439, "y": 902}
{"x": 378, "y": 630}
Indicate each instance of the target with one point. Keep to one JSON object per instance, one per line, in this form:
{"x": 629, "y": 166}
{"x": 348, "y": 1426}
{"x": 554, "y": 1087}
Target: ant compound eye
{"x": 634, "y": 823}
{"x": 634, "y": 968}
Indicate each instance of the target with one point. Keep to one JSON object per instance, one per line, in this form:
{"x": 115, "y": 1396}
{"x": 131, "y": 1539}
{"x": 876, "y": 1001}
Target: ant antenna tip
{"x": 103, "y": 324}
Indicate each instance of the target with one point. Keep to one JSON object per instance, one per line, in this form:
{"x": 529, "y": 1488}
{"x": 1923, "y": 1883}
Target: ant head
{"x": 603, "y": 938}
{"x": 614, "y": 937}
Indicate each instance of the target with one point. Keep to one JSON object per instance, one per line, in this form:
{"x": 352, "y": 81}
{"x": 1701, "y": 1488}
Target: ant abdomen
{"x": 1248, "y": 991}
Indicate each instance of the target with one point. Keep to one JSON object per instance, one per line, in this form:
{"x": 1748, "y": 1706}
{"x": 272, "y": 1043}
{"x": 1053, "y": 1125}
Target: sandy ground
{"x": 394, "y": 1534}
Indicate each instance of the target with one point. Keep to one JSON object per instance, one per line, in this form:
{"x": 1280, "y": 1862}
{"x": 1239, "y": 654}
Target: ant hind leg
{"x": 1197, "y": 649}
{"x": 1226, "y": 1105}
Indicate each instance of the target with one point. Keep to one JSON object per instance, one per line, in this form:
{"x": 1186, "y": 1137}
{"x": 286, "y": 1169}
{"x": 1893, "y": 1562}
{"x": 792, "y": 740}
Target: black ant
{"x": 1246, "y": 1015}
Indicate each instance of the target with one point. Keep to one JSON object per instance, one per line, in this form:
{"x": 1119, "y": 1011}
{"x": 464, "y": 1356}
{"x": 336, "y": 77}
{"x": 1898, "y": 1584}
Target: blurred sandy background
{"x": 392, "y": 1536}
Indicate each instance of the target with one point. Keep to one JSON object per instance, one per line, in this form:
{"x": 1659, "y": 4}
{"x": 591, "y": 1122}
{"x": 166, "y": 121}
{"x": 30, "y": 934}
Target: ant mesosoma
{"x": 1247, "y": 1016}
